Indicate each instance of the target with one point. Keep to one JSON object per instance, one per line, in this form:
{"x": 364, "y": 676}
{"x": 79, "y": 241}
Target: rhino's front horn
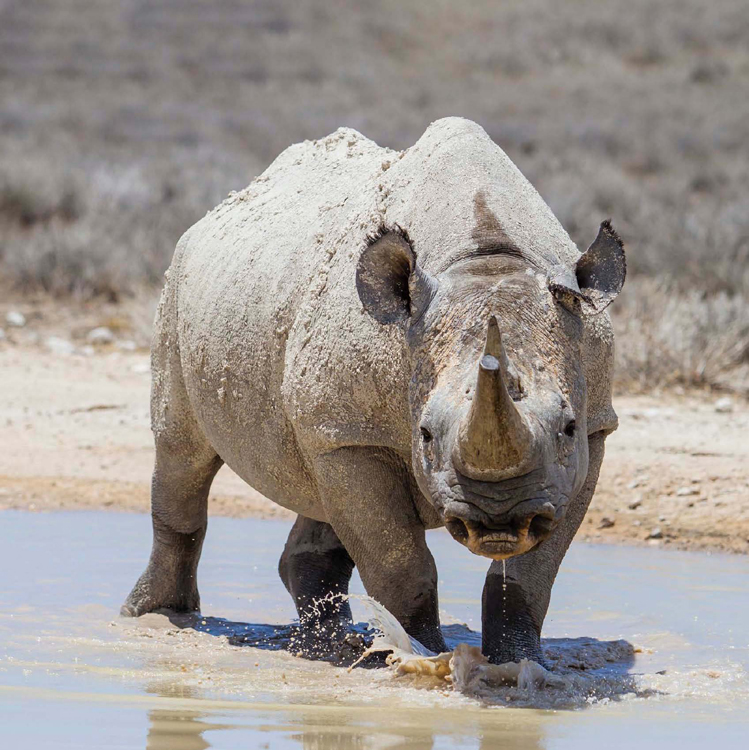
{"x": 494, "y": 440}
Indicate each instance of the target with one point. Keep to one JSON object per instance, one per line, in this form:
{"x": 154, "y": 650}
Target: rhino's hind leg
{"x": 316, "y": 569}
{"x": 367, "y": 496}
{"x": 179, "y": 499}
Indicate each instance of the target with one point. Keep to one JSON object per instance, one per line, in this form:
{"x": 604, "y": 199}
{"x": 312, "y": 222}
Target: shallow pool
{"x": 75, "y": 675}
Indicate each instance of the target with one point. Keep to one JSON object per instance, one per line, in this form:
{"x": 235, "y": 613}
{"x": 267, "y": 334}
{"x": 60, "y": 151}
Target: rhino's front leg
{"x": 513, "y": 608}
{"x": 367, "y": 498}
{"x": 316, "y": 568}
{"x": 179, "y": 500}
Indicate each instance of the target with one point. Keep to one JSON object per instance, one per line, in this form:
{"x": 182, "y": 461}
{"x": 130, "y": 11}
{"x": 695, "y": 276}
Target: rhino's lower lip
{"x": 497, "y": 544}
{"x": 496, "y": 549}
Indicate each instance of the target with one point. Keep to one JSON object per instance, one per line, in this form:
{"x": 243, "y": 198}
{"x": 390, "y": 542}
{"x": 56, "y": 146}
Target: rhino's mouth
{"x": 529, "y": 523}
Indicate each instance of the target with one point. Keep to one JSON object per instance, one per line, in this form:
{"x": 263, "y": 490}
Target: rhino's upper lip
{"x": 486, "y": 509}
{"x": 506, "y": 498}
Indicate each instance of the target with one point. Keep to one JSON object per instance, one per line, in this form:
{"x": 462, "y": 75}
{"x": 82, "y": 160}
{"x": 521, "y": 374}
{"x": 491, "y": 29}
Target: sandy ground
{"x": 74, "y": 434}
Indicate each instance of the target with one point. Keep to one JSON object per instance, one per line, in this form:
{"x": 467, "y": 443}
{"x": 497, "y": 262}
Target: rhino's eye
{"x": 570, "y": 428}
{"x": 426, "y": 436}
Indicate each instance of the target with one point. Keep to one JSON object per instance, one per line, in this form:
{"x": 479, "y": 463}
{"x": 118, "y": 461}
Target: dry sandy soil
{"x": 74, "y": 435}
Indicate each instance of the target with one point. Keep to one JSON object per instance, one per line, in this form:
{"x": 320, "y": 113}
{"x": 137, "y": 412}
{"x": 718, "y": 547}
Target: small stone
{"x": 635, "y": 504}
{"x": 724, "y": 405}
{"x": 127, "y": 345}
{"x": 637, "y": 523}
{"x": 15, "y": 319}
{"x": 687, "y": 491}
{"x": 87, "y": 351}
{"x": 57, "y": 345}
{"x": 656, "y": 533}
{"x": 606, "y": 523}
{"x": 99, "y": 336}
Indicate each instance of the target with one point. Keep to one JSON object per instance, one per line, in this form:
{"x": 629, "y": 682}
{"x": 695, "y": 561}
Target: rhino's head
{"x": 497, "y": 393}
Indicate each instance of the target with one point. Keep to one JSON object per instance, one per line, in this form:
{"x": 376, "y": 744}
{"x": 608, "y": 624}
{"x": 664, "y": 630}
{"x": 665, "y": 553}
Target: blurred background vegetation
{"x": 123, "y": 121}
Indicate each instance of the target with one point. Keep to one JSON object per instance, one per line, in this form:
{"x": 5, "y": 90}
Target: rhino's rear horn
{"x": 494, "y": 439}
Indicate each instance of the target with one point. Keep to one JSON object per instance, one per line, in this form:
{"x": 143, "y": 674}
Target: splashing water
{"x": 469, "y": 672}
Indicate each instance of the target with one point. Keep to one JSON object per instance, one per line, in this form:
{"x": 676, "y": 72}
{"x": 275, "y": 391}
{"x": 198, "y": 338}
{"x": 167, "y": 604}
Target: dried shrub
{"x": 119, "y": 133}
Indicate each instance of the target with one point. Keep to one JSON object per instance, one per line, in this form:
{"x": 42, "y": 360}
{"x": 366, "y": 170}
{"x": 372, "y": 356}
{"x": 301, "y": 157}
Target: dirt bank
{"x": 74, "y": 434}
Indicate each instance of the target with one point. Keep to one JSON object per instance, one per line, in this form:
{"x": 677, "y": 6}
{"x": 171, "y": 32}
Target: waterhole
{"x": 659, "y": 640}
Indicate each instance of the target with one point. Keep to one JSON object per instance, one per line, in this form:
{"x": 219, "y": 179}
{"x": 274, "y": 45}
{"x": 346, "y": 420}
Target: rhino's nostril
{"x": 540, "y": 525}
{"x": 457, "y": 529}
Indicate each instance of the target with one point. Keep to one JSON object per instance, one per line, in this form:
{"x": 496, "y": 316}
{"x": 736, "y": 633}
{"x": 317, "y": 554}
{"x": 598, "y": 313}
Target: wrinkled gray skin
{"x": 386, "y": 342}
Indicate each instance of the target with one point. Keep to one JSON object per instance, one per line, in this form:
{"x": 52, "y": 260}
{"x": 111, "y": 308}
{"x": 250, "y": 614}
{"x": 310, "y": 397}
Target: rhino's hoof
{"x": 146, "y": 597}
{"x": 127, "y": 610}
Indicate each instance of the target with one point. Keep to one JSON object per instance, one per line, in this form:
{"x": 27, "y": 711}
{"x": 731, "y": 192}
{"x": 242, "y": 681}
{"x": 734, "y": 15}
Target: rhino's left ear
{"x": 391, "y": 285}
{"x": 601, "y": 269}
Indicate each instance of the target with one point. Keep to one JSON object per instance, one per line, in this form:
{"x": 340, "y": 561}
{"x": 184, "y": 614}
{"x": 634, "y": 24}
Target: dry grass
{"x": 120, "y": 131}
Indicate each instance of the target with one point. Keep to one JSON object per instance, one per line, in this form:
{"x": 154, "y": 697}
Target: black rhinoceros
{"x": 386, "y": 342}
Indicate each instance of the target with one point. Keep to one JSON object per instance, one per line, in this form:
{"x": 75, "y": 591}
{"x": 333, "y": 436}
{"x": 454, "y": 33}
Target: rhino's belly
{"x": 259, "y": 449}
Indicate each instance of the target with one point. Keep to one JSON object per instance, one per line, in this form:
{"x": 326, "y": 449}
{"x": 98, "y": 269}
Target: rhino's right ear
{"x": 391, "y": 285}
{"x": 601, "y": 269}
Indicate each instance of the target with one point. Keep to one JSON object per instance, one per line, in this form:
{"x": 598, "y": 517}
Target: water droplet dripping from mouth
{"x": 504, "y": 596}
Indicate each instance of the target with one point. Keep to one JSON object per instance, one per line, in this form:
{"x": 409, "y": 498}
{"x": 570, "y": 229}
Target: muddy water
{"x": 74, "y": 675}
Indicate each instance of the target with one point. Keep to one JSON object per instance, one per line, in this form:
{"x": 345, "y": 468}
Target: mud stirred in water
{"x": 653, "y": 649}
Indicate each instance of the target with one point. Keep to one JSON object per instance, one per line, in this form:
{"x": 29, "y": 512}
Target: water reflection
{"x": 305, "y": 727}
{"x": 370, "y": 729}
{"x": 176, "y": 730}
{"x": 418, "y": 731}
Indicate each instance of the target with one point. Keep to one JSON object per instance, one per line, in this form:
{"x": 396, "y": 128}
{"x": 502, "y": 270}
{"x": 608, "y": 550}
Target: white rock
{"x": 87, "y": 351}
{"x": 724, "y": 405}
{"x": 656, "y": 533}
{"x": 100, "y": 335}
{"x": 127, "y": 345}
{"x": 15, "y": 319}
{"x": 56, "y": 345}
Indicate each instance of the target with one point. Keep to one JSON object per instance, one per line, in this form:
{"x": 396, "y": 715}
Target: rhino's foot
{"x": 509, "y": 631}
{"x": 515, "y": 648}
{"x": 150, "y": 596}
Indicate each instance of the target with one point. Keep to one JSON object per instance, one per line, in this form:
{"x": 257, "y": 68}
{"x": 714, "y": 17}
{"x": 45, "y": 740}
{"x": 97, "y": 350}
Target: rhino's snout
{"x": 516, "y": 532}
